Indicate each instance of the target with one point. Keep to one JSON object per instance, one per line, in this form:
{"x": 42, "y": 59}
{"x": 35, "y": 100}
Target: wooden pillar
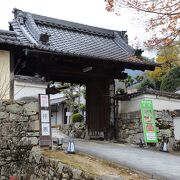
{"x": 98, "y": 109}
{"x": 11, "y": 75}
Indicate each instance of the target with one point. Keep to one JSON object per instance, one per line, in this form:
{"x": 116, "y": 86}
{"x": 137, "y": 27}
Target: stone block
{"x": 65, "y": 175}
{"x": 4, "y": 115}
{"x": 138, "y": 136}
{"x": 34, "y": 117}
{"x": 33, "y": 126}
{"x": 2, "y": 108}
{"x": 6, "y": 130}
{"x": 60, "y": 167}
{"x": 3, "y": 143}
{"x": 132, "y": 125}
{"x": 15, "y": 108}
{"x": 14, "y": 117}
{"x": 31, "y": 108}
{"x": 77, "y": 174}
{"x": 20, "y": 102}
{"x": 130, "y": 139}
{"x": 32, "y": 134}
{"x": 25, "y": 141}
{"x": 171, "y": 142}
{"x": 165, "y": 132}
{"x": 133, "y": 131}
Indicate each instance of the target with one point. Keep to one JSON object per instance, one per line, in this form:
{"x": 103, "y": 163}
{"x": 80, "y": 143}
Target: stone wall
{"x": 36, "y": 166}
{"x": 41, "y": 167}
{"x": 130, "y": 129}
{"x": 20, "y": 157}
{"x": 77, "y": 130}
{"x": 19, "y": 132}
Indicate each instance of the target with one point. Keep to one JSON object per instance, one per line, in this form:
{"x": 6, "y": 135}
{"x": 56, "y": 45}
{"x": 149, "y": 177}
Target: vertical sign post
{"x": 148, "y": 120}
{"x": 45, "y": 120}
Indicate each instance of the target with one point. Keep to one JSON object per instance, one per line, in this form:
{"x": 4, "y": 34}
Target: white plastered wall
{"x": 4, "y": 74}
{"x": 159, "y": 103}
{"x": 177, "y": 128}
{"x": 26, "y": 89}
{"x": 57, "y": 117}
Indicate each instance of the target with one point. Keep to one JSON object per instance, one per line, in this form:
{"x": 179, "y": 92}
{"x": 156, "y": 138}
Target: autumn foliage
{"x": 167, "y": 58}
{"x": 164, "y": 18}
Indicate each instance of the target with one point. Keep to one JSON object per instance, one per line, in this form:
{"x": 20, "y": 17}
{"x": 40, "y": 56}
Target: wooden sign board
{"x": 45, "y": 120}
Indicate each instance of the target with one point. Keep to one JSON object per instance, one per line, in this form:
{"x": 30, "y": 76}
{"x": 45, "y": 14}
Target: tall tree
{"x": 167, "y": 58}
{"x": 165, "y": 17}
{"x": 172, "y": 80}
{"x": 73, "y": 95}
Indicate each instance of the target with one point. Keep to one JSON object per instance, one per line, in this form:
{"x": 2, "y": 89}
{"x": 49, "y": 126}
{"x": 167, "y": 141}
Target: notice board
{"x": 148, "y": 121}
{"x": 45, "y": 120}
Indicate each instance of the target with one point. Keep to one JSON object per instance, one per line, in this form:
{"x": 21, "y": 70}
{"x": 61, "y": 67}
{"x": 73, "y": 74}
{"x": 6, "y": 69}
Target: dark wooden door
{"x": 98, "y": 110}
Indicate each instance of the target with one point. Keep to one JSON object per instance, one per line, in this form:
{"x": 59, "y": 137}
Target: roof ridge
{"x": 75, "y": 26}
{"x": 67, "y": 24}
{"x": 32, "y": 27}
{"x": 123, "y": 40}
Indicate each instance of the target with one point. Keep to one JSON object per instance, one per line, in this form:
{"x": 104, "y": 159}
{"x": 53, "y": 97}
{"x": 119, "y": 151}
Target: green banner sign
{"x": 148, "y": 120}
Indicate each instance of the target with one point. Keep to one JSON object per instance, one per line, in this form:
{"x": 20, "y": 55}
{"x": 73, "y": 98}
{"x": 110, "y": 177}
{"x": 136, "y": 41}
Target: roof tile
{"x": 72, "y": 39}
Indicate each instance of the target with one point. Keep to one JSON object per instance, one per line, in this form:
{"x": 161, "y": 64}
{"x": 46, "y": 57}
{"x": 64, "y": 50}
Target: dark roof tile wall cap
{"x": 29, "y": 79}
{"x": 147, "y": 91}
{"x": 157, "y": 93}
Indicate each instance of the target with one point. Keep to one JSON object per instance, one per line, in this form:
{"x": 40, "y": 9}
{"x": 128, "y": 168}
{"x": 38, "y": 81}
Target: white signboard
{"x": 44, "y": 100}
{"x": 45, "y": 121}
{"x": 151, "y": 136}
{"x": 45, "y": 129}
{"x": 44, "y": 116}
{"x": 68, "y": 113}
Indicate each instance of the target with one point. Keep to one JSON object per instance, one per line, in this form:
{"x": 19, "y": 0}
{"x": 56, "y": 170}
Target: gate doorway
{"x": 63, "y": 51}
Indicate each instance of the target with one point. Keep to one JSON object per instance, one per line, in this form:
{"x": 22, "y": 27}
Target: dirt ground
{"x": 93, "y": 166}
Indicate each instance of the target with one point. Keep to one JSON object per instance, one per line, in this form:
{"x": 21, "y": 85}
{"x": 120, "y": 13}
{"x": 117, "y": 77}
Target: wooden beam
{"x": 94, "y": 73}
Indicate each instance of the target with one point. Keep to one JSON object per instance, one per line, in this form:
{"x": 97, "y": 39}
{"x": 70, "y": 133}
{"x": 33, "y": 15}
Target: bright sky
{"x": 90, "y": 12}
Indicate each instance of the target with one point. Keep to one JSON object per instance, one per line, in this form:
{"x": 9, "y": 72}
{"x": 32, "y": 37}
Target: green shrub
{"x": 77, "y": 117}
{"x": 171, "y": 81}
{"x": 83, "y": 107}
{"x": 147, "y": 83}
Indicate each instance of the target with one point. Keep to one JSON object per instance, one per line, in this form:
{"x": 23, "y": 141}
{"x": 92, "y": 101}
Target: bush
{"x": 171, "y": 81}
{"x": 83, "y": 107}
{"x": 77, "y": 117}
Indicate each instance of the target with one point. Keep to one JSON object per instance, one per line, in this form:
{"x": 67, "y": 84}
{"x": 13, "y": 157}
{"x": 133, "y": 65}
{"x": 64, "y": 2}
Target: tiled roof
{"x": 11, "y": 38}
{"x": 29, "y": 79}
{"x": 74, "y": 39}
{"x": 8, "y": 37}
